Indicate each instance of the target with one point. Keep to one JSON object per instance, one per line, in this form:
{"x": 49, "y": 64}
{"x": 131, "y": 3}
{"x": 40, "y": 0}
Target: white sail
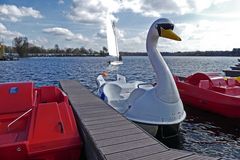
{"x": 111, "y": 38}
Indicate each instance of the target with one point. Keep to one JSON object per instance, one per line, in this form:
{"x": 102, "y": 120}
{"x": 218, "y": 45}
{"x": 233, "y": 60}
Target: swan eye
{"x": 165, "y": 26}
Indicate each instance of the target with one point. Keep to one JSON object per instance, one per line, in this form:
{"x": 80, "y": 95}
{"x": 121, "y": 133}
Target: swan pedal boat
{"x": 37, "y": 123}
{"x": 211, "y": 92}
{"x": 156, "y": 108}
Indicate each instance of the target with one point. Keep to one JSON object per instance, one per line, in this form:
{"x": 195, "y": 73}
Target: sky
{"x": 202, "y": 24}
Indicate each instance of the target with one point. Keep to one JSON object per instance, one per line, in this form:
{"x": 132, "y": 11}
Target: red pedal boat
{"x": 211, "y": 92}
{"x": 37, "y": 123}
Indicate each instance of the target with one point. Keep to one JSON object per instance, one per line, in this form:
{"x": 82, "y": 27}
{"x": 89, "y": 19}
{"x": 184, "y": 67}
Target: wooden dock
{"x": 110, "y": 136}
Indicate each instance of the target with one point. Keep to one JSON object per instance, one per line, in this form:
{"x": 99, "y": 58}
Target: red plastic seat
{"x": 204, "y": 84}
{"x": 218, "y": 81}
{"x": 231, "y": 82}
{"x": 196, "y": 78}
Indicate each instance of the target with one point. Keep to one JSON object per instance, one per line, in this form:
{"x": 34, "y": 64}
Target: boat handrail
{"x": 35, "y": 99}
{"x": 25, "y": 113}
{"x": 141, "y": 84}
{"x": 22, "y": 115}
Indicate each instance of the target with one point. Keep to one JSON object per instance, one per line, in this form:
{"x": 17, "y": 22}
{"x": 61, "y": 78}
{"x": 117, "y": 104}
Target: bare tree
{"x": 21, "y": 45}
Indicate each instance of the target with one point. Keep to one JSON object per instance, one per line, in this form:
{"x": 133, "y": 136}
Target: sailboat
{"x": 157, "y": 108}
{"x": 112, "y": 43}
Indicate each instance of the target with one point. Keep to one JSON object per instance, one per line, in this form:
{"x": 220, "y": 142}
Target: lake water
{"x": 201, "y": 132}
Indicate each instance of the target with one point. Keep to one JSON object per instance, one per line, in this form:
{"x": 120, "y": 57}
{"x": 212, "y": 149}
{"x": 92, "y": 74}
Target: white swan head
{"x": 163, "y": 27}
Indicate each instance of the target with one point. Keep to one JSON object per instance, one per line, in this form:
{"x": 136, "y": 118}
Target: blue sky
{"x": 202, "y": 24}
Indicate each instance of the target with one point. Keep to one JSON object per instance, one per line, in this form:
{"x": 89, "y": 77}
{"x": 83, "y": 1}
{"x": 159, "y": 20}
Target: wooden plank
{"x": 123, "y": 139}
{"x": 169, "y": 155}
{"x": 91, "y": 111}
{"x": 128, "y": 146}
{"x": 80, "y": 92}
{"x": 198, "y": 157}
{"x": 85, "y": 101}
{"x": 112, "y": 129}
{"x": 136, "y": 153}
{"x": 85, "y": 95}
{"x": 96, "y": 106}
{"x": 93, "y": 114}
{"x": 70, "y": 85}
{"x": 107, "y": 116}
{"x": 116, "y": 134}
{"x": 109, "y": 124}
{"x": 104, "y": 121}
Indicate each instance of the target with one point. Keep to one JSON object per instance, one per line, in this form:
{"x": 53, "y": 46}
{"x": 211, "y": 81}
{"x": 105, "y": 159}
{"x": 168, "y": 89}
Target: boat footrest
{"x": 8, "y": 138}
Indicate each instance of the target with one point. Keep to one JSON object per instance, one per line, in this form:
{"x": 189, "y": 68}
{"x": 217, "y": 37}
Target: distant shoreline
{"x": 137, "y": 55}
{"x": 234, "y": 53}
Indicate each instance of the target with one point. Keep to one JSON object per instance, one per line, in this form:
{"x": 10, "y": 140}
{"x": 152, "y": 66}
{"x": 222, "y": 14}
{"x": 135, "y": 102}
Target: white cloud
{"x": 14, "y": 13}
{"x": 134, "y": 43}
{"x": 58, "y": 31}
{"x": 41, "y": 41}
{"x": 66, "y": 33}
{"x": 95, "y": 11}
{"x": 92, "y": 11}
{"x": 6, "y": 34}
{"x": 103, "y": 35}
{"x": 60, "y": 1}
{"x": 156, "y": 8}
{"x": 205, "y": 35}
{"x": 202, "y": 35}
{"x": 153, "y": 8}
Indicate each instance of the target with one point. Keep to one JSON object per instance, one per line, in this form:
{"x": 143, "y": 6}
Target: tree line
{"x": 25, "y": 49}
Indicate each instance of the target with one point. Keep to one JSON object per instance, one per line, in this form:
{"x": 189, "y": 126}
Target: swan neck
{"x": 166, "y": 88}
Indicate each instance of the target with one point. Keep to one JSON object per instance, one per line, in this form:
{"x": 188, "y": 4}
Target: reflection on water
{"x": 220, "y": 136}
{"x": 208, "y": 134}
{"x": 201, "y": 132}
